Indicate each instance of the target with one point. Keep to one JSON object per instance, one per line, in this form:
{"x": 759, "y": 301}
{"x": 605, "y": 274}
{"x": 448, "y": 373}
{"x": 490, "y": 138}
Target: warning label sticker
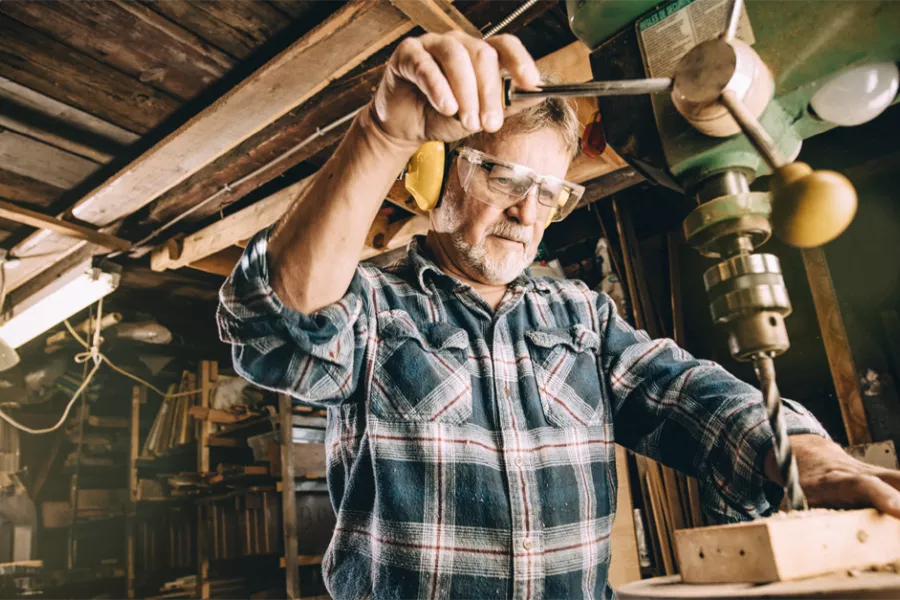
{"x": 670, "y": 33}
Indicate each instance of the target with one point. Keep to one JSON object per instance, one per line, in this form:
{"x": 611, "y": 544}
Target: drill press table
{"x": 837, "y": 585}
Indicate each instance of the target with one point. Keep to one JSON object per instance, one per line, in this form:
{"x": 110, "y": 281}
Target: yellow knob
{"x": 810, "y": 208}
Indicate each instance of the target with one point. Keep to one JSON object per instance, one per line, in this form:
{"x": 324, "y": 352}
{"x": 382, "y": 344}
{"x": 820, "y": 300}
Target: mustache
{"x": 511, "y": 231}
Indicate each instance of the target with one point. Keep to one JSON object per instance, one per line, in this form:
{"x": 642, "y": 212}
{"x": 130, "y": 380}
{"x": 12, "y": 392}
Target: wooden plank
{"x": 788, "y": 546}
{"x": 53, "y": 136}
{"x": 657, "y": 505}
{"x": 128, "y": 43}
{"x": 281, "y": 141}
{"x": 304, "y": 560}
{"x": 837, "y": 346}
{"x": 572, "y": 64}
{"x": 842, "y": 584}
{"x": 192, "y": 16}
{"x": 336, "y": 46}
{"x": 137, "y": 397}
{"x": 25, "y": 189}
{"x": 207, "y": 384}
{"x": 485, "y": 14}
{"x": 634, "y": 297}
{"x": 288, "y": 495}
{"x": 879, "y": 454}
{"x": 43, "y": 162}
{"x": 16, "y": 94}
{"x": 45, "y": 65}
{"x": 254, "y": 23}
{"x": 673, "y": 498}
{"x": 206, "y": 376}
{"x": 696, "y": 505}
{"x": 436, "y": 16}
{"x": 222, "y": 234}
{"x": 41, "y": 221}
{"x": 624, "y": 561}
{"x": 398, "y": 235}
{"x": 221, "y": 263}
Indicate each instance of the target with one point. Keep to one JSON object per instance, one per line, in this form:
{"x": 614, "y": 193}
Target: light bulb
{"x": 857, "y": 94}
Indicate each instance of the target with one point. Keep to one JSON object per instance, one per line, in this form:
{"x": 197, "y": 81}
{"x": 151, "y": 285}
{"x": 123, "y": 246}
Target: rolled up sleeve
{"x": 694, "y": 416}
{"x": 316, "y": 357}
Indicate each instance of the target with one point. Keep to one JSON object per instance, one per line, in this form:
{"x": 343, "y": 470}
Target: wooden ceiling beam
{"x": 327, "y": 52}
{"x": 93, "y": 127}
{"x": 269, "y": 144}
{"x": 19, "y": 123}
{"x": 436, "y": 16}
{"x": 33, "y": 218}
{"x": 20, "y": 188}
{"x": 40, "y": 161}
{"x": 49, "y": 67}
{"x": 127, "y": 42}
{"x": 222, "y": 234}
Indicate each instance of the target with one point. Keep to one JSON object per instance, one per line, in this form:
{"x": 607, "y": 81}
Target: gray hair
{"x": 558, "y": 114}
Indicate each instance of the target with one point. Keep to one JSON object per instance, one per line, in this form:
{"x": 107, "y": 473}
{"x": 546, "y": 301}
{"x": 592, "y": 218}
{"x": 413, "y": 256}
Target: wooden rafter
{"x": 333, "y": 48}
{"x": 74, "y": 230}
{"x": 436, "y": 16}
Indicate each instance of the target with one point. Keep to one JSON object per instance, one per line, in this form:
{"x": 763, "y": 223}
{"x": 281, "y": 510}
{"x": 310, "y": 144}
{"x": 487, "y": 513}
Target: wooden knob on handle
{"x": 810, "y": 208}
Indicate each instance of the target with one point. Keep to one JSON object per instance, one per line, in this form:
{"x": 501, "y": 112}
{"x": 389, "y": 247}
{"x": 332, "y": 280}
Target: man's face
{"x": 488, "y": 244}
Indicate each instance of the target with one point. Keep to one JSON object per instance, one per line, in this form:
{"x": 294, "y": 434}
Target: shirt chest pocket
{"x": 567, "y": 376}
{"x": 421, "y": 371}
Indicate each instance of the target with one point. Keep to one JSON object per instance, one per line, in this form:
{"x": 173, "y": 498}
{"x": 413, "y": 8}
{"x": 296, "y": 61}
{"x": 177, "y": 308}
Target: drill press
{"x": 727, "y": 121}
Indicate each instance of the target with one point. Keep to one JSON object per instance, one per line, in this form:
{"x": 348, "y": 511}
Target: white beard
{"x": 498, "y": 270}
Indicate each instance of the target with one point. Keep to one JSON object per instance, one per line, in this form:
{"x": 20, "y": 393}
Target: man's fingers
{"x": 417, "y": 66}
{"x": 486, "y": 63}
{"x": 516, "y": 60}
{"x": 873, "y": 491}
{"x": 454, "y": 60}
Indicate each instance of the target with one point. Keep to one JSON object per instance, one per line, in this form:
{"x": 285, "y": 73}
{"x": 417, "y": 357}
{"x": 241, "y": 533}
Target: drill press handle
{"x": 809, "y": 208}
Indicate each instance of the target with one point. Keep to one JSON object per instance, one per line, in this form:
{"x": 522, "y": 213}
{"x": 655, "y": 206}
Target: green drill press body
{"x": 803, "y": 42}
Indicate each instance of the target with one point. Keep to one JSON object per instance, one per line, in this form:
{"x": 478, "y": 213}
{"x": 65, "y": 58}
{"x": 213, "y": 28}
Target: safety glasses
{"x": 502, "y": 184}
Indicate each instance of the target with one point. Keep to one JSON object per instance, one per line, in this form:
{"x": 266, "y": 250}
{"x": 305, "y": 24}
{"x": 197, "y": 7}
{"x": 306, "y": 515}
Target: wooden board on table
{"x": 624, "y": 563}
{"x": 833, "y": 585}
{"x": 788, "y": 546}
{"x": 880, "y": 454}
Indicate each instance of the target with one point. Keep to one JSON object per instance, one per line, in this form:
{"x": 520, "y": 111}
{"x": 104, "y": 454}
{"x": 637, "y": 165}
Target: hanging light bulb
{"x": 857, "y": 94}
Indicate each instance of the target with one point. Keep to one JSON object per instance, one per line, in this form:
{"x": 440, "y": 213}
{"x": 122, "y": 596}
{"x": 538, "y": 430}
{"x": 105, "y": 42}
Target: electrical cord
{"x": 91, "y": 353}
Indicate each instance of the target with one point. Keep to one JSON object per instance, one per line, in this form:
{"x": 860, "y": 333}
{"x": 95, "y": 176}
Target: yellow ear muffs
{"x": 560, "y": 202}
{"x": 425, "y": 174}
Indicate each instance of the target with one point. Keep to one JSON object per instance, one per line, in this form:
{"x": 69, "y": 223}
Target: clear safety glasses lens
{"x": 502, "y": 184}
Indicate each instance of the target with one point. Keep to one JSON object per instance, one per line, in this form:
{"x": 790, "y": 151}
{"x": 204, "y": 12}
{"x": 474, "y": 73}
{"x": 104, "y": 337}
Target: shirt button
{"x": 527, "y": 544}
{"x": 519, "y": 461}
{"x": 506, "y": 391}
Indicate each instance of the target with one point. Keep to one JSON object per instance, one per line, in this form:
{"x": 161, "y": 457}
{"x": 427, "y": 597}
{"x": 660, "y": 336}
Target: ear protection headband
{"x": 426, "y": 176}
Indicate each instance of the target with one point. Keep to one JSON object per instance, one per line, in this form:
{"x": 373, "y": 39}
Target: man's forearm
{"x": 315, "y": 248}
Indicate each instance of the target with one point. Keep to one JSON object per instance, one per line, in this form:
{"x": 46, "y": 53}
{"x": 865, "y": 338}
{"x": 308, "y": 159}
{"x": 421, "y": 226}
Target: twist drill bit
{"x": 764, "y": 367}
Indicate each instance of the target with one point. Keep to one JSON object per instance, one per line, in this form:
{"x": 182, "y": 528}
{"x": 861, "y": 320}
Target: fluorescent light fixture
{"x": 74, "y": 291}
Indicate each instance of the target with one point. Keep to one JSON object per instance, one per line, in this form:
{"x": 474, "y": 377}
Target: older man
{"x": 473, "y": 407}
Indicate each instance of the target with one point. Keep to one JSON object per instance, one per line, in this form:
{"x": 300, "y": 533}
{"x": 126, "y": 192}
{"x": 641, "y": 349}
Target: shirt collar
{"x": 420, "y": 259}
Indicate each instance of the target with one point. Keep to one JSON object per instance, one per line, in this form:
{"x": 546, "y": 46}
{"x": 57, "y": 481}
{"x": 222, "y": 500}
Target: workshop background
{"x": 142, "y": 143}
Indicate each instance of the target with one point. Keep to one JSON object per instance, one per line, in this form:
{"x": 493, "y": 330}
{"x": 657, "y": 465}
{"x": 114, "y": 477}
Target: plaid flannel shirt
{"x": 470, "y": 451}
